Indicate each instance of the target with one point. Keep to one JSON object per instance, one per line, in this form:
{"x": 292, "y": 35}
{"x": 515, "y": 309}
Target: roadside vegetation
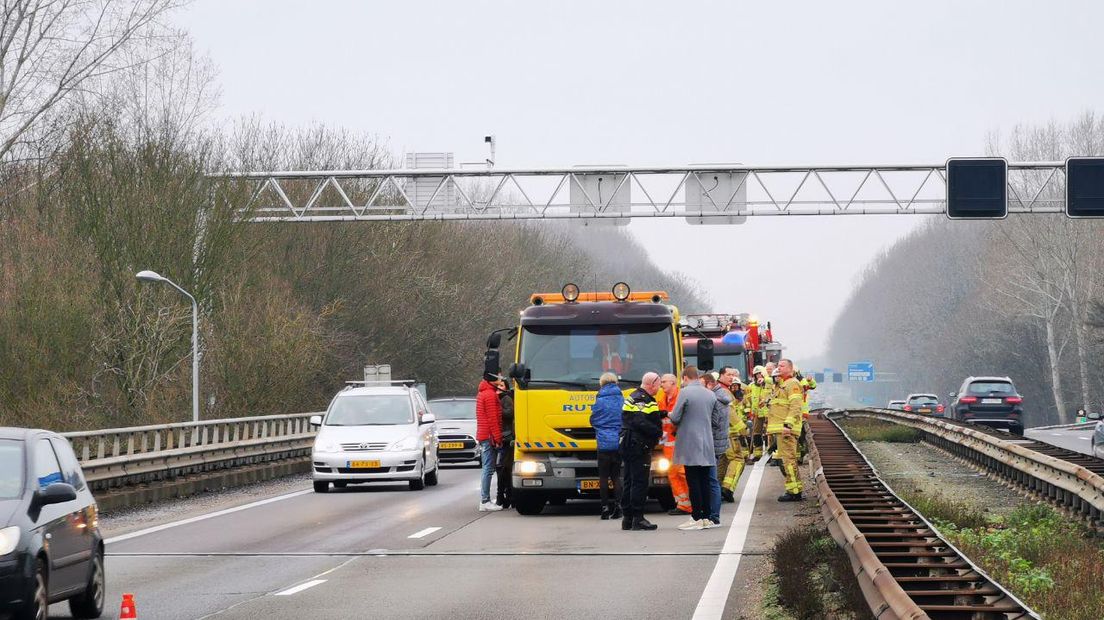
{"x": 1022, "y": 297}
{"x": 1053, "y": 564}
{"x": 107, "y": 178}
{"x": 812, "y": 579}
{"x": 868, "y": 429}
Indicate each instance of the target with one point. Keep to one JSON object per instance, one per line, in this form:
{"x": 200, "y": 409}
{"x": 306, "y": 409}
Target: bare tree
{"x": 51, "y": 49}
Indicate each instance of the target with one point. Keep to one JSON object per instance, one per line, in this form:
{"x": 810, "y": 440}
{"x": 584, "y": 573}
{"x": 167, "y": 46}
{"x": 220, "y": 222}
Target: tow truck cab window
{"x": 560, "y": 356}
{"x": 986, "y": 387}
{"x": 47, "y": 471}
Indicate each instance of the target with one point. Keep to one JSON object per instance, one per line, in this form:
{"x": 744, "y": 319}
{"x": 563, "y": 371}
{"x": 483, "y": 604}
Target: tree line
{"x": 106, "y": 175}
{"x": 1022, "y": 297}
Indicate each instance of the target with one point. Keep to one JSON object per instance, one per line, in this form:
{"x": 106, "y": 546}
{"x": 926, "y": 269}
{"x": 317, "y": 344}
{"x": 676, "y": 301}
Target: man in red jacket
{"x": 488, "y": 432}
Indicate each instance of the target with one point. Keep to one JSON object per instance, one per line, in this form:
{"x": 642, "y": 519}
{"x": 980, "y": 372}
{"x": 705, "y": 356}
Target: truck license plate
{"x": 592, "y": 485}
{"x": 363, "y": 464}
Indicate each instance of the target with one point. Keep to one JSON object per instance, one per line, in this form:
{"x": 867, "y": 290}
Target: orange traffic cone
{"x": 128, "y": 611}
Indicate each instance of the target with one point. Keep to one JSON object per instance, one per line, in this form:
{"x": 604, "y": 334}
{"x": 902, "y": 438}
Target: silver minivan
{"x": 375, "y": 434}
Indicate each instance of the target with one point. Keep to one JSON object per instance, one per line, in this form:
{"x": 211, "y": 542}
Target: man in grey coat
{"x": 692, "y": 414}
{"x": 719, "y": 420}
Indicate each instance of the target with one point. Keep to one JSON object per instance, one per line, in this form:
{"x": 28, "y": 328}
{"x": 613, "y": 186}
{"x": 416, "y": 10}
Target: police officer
{"x": 641, "y": 428}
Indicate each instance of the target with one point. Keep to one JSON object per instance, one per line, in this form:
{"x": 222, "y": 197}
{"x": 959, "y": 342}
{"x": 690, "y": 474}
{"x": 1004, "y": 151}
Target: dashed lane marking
{"x": 299, "y": 588}
{"x": 424, "y": 533}
{"x": 712, "y": 602}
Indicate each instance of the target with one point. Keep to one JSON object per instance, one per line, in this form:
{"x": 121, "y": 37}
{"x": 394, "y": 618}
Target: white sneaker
{"x": 708, "y": 524}
{"x": 489, "y": 507}
{"x": 691, "y": 524}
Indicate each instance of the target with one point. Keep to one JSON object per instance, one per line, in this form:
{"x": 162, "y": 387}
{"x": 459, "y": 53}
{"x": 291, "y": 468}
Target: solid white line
{"x": 212, "y": 515}
{"x": 424, "y": 533}
{"x": 712, "y": 602}
{"x": 299, "y": 588}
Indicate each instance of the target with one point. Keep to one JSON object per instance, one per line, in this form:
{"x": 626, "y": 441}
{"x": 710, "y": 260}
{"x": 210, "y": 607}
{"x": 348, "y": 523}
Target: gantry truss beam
{"x": 621, "y": 193}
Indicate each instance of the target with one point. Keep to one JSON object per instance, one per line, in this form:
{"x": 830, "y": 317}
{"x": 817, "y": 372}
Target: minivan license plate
{"x": 363, "y": 464}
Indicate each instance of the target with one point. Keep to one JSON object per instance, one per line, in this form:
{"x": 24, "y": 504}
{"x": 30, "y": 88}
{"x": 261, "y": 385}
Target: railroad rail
{"x": 905, "y": 568}
{"x": 1071, "y": 480}
{"x": 118, "y": 457}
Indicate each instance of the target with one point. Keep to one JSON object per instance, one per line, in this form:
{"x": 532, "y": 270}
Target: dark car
{"x": 456, "y": 423}
{"x": 925, "y": 404}
{"x": 989, "y": 401}
{"x": 50, "y": 544}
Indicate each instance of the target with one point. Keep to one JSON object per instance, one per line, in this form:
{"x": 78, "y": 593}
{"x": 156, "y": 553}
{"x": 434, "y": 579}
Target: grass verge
{"x": 1054, "y": 565}
{"x": 867, "y": 429}
{"x": 812, "y": 579}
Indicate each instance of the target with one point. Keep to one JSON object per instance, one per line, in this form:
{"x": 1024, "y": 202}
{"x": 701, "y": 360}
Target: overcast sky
{"x": 564, "y": 83}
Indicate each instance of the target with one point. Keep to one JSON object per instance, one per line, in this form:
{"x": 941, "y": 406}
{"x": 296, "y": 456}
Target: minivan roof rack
{"x": 404, "y": 382}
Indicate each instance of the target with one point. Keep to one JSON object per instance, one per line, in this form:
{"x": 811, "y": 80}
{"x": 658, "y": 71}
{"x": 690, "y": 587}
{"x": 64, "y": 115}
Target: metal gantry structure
{"x": 701, "y": 193}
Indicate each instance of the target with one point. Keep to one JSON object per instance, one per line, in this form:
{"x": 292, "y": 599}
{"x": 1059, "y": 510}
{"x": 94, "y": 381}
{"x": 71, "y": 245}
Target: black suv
{"x": 989, "y": 401}
{"x": 50, "y": 544}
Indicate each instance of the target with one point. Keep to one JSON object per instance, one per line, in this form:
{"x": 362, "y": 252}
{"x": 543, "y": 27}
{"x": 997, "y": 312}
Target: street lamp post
{"x": 153, "y": 276}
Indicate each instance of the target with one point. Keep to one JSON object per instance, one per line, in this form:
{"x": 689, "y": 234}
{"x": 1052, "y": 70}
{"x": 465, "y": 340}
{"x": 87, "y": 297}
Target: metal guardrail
{"x": 141, "y": 454}
{"x": 1069, "y": 484}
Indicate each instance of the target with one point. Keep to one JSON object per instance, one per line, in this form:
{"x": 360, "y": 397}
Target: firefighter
{"x": 808, "y": 384}
{"x": 676, "y": 474}
{"x": 757, "y": 396}
{"x": 784, "y": 423}
{"x": 736, "y": 455}
{"x": 641, "y": 429}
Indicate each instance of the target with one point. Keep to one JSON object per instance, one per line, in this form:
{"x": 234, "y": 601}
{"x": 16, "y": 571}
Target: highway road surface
{"x": 1078, "y": 438}
{"x": 382, "y": 551}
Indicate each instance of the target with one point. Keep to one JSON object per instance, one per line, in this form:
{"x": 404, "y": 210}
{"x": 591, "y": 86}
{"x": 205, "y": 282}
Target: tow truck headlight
{"x": 9, "y": 538}
{"x": 405, "y": 444}
{"x": 529, "y": 467}
{"x": 662, "y": 464}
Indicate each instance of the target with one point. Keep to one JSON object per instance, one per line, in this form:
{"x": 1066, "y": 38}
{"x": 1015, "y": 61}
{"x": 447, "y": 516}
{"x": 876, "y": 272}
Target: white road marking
{"x": 424, "y": 533}
{"x": 712, "y": 602}
{"x": 299, "y": 588}
{"x": 212, "y": 515}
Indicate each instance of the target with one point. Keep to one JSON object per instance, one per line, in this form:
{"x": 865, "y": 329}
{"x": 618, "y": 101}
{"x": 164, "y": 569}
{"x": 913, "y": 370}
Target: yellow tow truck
{"x": 563, "y": 344}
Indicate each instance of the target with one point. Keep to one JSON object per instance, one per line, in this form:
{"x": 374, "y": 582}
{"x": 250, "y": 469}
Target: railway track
{"x": 906, "y": 569}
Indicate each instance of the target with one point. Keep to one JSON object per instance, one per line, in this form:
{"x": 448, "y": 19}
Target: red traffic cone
{"x": 128, "y": 611}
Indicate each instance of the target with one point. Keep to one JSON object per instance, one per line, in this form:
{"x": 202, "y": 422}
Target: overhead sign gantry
{"x": 965, "y": 188}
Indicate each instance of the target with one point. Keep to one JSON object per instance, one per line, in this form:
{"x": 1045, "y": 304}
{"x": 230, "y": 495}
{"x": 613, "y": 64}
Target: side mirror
{"x": 494, "y": 340}
{"x": 519, "y": 373}
{"x": 952, "y": 395}
{"x": 1094, "y": 416}
{"x": 491, "y": 362}
{"x": 316, "y": 420}
{"x": 705, "y": 354}
{"x": 56, "y": 493}
{"x": 428, "y": 418}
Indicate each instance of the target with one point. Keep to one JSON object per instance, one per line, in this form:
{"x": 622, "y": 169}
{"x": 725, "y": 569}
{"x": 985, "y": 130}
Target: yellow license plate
{"x": 452, "y": 445}
{"x": 363, "y": 464}
{"x": 592, "y": 485}
{"x": 925, "y": 410}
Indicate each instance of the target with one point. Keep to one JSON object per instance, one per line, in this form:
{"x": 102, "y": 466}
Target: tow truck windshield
{"x": 575, "y": 356}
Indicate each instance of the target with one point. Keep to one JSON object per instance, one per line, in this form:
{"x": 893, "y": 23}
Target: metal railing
{"x": 1065, "y": 478}
{"x": 117, "y": 456}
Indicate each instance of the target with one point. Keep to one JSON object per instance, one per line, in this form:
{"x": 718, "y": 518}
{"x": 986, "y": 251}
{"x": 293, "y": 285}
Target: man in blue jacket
{"x": 605, "y": 417}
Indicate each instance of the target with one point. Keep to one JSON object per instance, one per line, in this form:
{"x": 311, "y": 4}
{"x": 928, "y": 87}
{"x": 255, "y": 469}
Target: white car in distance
{"x": 375, "y": 434}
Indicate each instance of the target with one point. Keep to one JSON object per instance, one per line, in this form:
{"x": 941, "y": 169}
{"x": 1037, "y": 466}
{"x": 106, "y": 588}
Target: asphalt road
{"x": 1076, "y": 439}
{"x": 382, "y": 551}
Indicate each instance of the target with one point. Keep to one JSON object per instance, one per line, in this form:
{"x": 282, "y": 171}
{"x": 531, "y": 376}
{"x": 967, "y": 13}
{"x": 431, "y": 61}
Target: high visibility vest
{"x": 807, "y": 384}
{"x": 785, "y": 406}
{"x": 737, "y": 423}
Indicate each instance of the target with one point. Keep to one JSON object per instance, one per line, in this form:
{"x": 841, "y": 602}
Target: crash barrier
{"x": 147, "y": 454}
{"x": 904, "y": 568}
{"x": 1069, "y": 479}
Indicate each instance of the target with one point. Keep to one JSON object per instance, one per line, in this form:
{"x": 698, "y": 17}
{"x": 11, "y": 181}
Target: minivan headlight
{"x": 405, "y": 444}
{"x": 9, "y": 539}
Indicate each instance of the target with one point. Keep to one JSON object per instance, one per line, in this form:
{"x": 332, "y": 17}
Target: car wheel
{"x": 38, "y": 601}
{"x": 321, "y": 486}
{"x": 89, "y": 604}
{"x": 420, "y": 482}
{"x": 431, "y": 477}
{"x": 529, "y": 503}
